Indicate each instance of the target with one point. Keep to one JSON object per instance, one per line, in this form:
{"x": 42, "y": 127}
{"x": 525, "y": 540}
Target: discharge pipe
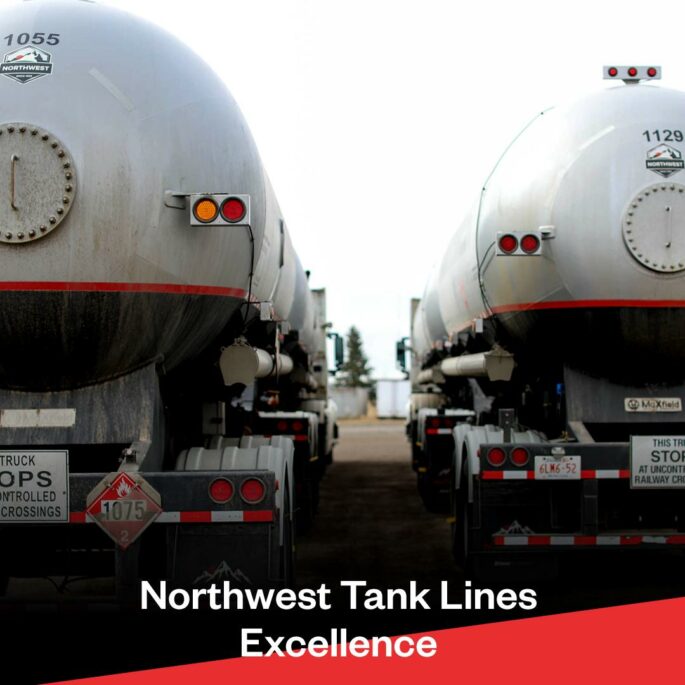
{"x": 496, "y": 365}
{"x": 242, "y": 363}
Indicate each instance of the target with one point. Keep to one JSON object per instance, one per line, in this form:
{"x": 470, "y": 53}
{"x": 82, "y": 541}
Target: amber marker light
{"x": 205, "y": 210}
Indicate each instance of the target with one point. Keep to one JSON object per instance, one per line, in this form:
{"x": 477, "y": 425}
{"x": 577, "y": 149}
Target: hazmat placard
{"x": 657, "y": 461}
{"x": 34, "y": 486}
{"x": 123, "y": 505}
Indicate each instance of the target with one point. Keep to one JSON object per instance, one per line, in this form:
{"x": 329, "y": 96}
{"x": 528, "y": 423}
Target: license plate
{"x": 557, "y": 468}
{"x": 34, "y": 486}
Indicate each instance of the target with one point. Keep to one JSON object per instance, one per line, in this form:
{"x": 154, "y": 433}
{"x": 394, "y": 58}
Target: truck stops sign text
{"x": 657, "y": 461}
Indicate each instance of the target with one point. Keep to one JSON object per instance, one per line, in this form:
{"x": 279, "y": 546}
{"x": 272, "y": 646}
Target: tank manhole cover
{"x": 37, "y": 183}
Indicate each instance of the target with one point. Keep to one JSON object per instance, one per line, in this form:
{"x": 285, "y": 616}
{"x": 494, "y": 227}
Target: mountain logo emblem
{"x": 664, "y": 160}
{"x": 25, "y": 64}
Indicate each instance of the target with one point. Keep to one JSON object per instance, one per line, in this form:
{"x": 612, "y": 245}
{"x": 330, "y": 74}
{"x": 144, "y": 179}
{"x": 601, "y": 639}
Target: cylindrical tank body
{"x": 120, "y": 277}
{"x": 604, "y": 177}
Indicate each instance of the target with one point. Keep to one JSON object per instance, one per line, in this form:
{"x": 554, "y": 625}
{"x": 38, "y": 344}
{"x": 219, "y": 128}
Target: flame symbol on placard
{"x": 123, "y": 489}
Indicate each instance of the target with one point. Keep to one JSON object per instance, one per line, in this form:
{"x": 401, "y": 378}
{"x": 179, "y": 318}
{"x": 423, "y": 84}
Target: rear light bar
{"x": 517, "y": 456}
{"x": 519, "y": 243}
{"x": 632, "y": 74}
{"x": 252, "y": 490}
{"x": 440, "y": 425}
{"x": 219, "y": 209}
{"x": 442, "y": 421}
{"x": 287, "y": 426}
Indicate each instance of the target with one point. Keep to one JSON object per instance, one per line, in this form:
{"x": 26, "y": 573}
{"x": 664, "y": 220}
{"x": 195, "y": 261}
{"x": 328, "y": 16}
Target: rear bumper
{"x": 588, "y": 541}
{"x": 194, "y": 541}
{"x": 513, "y": 510}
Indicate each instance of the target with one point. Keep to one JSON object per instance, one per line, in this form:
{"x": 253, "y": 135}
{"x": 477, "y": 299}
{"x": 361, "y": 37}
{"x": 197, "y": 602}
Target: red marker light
{"x": 221, "y": 490}
{"x": 282, "y": 426}
{"x": 651, "y": 72}
{"x": 530, "y": 243}
{"x": 496, "y": 456}
{"x": 508, "y": 243}
{"x": 435, "y": 423}
{"x": 298, "y": 426}
{"x": 519, "y": 456}
{"x": 252, "y": 490}
{"x": 612, "y": 71}
{"x": 233, "y": 209}
{"x": 632, "y": 71}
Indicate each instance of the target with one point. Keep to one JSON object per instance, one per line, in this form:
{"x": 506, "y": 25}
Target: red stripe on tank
{"x": 108, "y": 287}
{"x": 586, "y": 304}
{"x": 570, "y": 304}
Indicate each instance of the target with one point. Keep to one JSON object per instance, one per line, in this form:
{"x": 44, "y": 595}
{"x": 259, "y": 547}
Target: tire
{"x": 461, "y": 514}
{"x": 287, "y": 558}
{"x": 435, "y": 501}
{"x": 305, "y": 506}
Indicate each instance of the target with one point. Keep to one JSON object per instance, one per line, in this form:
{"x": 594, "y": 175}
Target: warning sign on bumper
{"x": 34, "y": 486}
{"x": 657, "y": 461}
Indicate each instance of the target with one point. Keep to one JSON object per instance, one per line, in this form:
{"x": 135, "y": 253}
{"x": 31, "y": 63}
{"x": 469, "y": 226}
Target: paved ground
{"x": 371, "y": 522}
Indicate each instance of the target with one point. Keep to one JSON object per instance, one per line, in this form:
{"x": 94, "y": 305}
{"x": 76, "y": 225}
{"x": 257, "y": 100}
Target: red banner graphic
{"x": 628, "y": 644}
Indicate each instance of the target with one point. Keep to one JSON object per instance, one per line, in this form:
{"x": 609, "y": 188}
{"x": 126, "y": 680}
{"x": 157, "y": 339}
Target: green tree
{"x": 355, "y": 372}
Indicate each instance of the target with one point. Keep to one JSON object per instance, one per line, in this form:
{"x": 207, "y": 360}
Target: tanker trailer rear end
{"x": 150, "y": 301}
{"x": 558, "y": 317}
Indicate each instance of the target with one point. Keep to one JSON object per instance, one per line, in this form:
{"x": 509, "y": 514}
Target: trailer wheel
{"x": 433, "y": 499}
{"x": 461, "y": 537}
{"x": 287, "y": 560}
{"x": 304, "y": 509}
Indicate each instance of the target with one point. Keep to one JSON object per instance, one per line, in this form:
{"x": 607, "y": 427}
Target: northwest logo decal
{"x": 26, "y": 64}
{"x": 664, "y": 160}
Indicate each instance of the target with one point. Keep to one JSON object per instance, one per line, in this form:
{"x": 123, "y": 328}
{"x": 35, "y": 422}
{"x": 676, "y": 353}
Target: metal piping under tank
{"x": 496, "y": 365}
{"x": 242, "y": 363}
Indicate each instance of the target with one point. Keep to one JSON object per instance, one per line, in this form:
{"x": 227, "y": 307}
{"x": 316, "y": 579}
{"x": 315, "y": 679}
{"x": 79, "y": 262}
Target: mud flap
{"x": 243, "y": 554}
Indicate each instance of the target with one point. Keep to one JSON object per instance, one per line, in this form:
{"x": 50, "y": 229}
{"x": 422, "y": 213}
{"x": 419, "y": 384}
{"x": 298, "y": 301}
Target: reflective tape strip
{"x": 169, "y": 517}
{"x": 585, "y": 540}
{"x": 439, "y": 431}
{"x": 260, "y": 516}
{"x": 227, "y": 516}
{"x": 37, "y": 418}
{"x": 586, "y": 474}
{"x": 507, "y": 475}
{"x": 605, "y": 473}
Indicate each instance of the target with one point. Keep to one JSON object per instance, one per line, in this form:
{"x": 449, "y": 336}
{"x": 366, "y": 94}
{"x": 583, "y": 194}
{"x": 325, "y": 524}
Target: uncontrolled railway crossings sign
{"x": 123, "y": 505}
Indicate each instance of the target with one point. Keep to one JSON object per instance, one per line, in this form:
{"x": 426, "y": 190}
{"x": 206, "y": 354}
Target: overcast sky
{"x": 377, "y": 120}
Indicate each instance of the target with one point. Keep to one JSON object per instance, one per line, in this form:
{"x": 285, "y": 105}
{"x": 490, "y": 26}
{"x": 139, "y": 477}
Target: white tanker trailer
{"x": 153, "y": 315}
{"x": 549, "y": 347}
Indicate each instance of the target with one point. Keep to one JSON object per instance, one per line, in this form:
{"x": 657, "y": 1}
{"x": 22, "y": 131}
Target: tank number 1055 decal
{"x": 664, "y": 135}
{"x": 35, "y": 39}
{"x": 26, "y": 61}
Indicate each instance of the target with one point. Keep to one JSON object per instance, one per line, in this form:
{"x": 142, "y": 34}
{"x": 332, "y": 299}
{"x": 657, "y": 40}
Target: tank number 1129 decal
{"x": 664, "y": 135}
